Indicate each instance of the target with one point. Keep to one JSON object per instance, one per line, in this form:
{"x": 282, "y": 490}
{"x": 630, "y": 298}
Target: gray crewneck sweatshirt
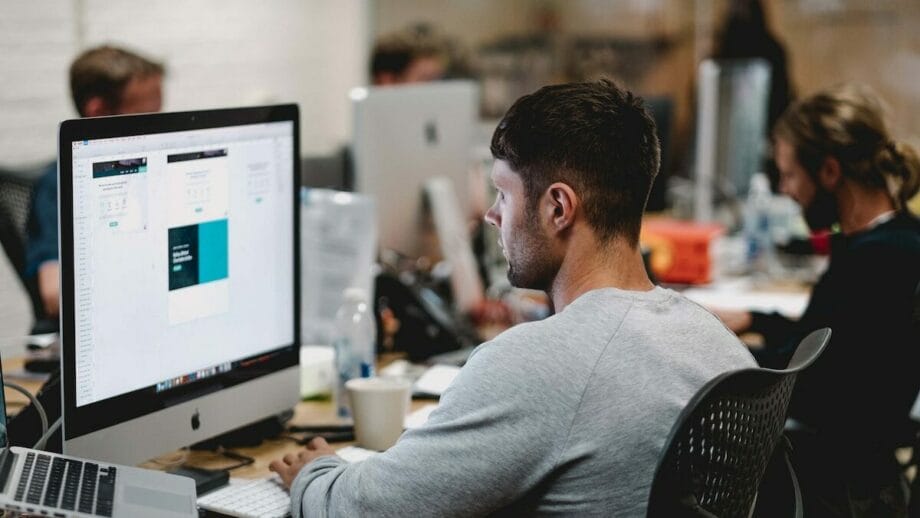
{"x": 565, "y": 416}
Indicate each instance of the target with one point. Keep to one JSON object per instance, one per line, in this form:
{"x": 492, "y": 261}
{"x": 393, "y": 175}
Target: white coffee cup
{"x": 378, "y": 406}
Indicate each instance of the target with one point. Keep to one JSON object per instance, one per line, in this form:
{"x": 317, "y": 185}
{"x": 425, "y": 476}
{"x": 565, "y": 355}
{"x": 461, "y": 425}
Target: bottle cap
{"x": 759, "y": 183}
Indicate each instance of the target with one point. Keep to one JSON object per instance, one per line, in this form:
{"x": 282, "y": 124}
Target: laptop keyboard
{"x": 68, "y": 484}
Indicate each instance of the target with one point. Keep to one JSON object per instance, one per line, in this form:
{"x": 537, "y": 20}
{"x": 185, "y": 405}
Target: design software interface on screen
{"x": 178, "y": 240}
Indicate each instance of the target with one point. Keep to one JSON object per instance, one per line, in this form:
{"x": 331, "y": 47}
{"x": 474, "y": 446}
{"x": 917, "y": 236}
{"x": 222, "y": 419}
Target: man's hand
{"x": 289, "y": 466}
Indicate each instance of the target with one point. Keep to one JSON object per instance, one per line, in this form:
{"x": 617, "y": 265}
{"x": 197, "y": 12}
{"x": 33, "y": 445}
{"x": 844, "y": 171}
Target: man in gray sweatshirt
{"x": 566, "y": 416}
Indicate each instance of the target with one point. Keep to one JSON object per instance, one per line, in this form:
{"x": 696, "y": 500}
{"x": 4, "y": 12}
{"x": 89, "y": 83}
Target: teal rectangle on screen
{"x": 212, "y": 251}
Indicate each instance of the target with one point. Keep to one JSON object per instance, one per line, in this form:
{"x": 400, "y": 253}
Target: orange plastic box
{"x": 680, "y": 250}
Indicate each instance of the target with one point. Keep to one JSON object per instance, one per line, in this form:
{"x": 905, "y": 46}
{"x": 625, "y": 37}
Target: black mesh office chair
{"x": 15, "y": 202}
{"x": 724, "y": 440}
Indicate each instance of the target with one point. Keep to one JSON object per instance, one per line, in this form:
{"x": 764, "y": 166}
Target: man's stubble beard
{"x": 821, "y": 213}
{"x": 530, "y": 265}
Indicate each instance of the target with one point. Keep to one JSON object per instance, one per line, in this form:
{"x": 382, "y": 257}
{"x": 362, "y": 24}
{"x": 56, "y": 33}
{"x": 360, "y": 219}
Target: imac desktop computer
{"x": 179, "y": 277}
{"x": 403, "y": 136}
{"x": 731, "y": 132}
{"x": 413, "y": 151}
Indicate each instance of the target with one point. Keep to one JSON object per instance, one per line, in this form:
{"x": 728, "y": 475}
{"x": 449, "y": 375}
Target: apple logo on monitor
{"x": 431, "y": 133}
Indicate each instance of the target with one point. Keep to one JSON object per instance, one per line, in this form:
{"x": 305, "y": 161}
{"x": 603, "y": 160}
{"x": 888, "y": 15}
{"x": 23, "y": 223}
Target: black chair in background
{"x": 725, "y": 440}
{"x": 15, "y": 203}
{"x": 913, "y": 508}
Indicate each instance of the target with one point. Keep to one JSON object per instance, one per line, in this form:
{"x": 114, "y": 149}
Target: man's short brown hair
{"x": 104, "y": 71}
{"x": 394, "y": 53}
{"x": 598, "y": 138}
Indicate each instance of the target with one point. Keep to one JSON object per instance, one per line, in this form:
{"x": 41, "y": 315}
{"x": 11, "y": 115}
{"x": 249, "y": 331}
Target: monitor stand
{"x": 247, "y": 436}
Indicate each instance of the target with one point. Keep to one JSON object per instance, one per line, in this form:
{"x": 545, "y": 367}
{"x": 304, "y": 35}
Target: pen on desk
{"x": 330, "y": 437}
{"x": 320, "y": 429}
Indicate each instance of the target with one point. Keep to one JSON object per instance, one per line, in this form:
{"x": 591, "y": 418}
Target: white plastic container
{"x": 760, "y": 249}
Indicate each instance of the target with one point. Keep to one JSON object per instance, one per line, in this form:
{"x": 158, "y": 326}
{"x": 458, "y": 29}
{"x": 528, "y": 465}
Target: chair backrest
{"x": 15, "y": 204}
{"x": 15, "y": 200}
{"x": 722, "y": 442}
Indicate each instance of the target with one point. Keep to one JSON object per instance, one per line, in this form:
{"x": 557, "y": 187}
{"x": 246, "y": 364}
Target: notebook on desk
{"x": 48, "y": 484}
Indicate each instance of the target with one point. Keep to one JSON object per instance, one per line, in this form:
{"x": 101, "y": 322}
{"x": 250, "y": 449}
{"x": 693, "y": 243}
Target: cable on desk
{"x": 34, "y": 400}
{"x": 40, "y": 444}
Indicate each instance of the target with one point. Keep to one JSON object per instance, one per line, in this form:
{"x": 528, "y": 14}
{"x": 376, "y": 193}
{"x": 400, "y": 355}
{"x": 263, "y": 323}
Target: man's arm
{"x": 492, "y": 438}
{"x": 49, "y": 287}
{"x": 42, "y": 240}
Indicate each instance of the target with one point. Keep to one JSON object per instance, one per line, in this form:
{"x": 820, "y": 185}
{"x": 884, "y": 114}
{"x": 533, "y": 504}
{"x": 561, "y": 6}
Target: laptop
{"x": 48, "y": 484}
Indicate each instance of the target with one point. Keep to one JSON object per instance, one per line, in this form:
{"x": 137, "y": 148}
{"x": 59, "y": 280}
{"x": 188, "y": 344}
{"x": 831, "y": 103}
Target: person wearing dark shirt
{"x": 744, "y": 34}
{"x": 838, "y": 161}
{"x": 103, "y": 81}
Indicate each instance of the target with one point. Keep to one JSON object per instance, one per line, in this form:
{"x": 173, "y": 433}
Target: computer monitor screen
{"x": 179, "y": 264}
{"x": 403, "y": 136}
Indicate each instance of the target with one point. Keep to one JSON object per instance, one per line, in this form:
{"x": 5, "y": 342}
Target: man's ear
{"x": 95, "y": 107}
{"x": 829, "y": 174}
{"x": 560, "y": 206}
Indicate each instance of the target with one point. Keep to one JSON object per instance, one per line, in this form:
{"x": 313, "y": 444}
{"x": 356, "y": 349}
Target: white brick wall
{"x": 37, "y": 42}
{"x": 218, "y": 53}
{"x": 234, "y": 52}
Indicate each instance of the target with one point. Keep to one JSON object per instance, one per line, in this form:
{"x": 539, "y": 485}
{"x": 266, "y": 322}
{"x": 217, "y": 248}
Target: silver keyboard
{"x": 261, "y": 498}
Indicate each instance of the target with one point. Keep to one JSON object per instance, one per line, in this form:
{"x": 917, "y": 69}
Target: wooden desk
{"x": 306, "y": 413}
{"x": 12, "y": 371}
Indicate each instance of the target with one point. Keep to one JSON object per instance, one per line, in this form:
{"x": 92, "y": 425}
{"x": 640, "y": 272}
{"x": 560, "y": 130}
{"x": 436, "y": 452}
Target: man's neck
{"x": 858, "y": 207}
{"x": 594, "y": 266}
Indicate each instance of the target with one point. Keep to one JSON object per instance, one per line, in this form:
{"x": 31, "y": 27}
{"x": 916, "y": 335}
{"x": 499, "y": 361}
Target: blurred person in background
{"x": 408, "y": 56}
{"x": 839, "y": 162}
{"x": 744, "y": 34}
{"x": 103, "y": 81}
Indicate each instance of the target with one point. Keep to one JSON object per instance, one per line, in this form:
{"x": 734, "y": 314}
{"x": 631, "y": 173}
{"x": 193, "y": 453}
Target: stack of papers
{"x": 435, "y": 380}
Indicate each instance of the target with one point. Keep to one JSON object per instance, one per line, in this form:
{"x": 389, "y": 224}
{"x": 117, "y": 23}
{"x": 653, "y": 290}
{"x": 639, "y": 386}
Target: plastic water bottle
{"x": 757, "y": 233}
{"x": 354, "y": 344}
